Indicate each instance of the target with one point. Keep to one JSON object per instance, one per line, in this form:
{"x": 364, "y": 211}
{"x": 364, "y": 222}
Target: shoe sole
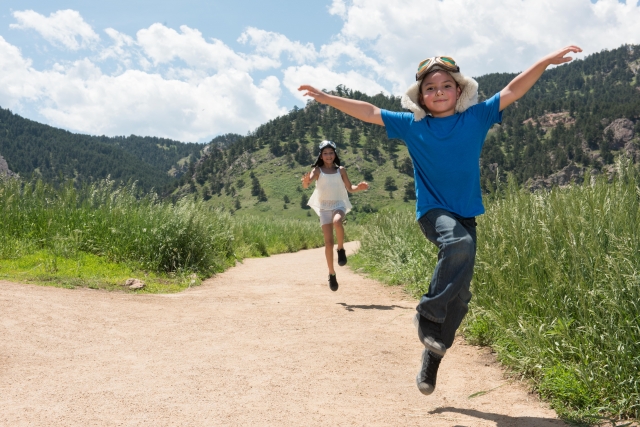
{"x": 424, "y": 388}
{"x": 433, "y": 345}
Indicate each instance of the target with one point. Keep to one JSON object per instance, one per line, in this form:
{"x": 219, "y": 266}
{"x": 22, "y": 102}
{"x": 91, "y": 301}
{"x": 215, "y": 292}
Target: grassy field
{"x": 556, "y": 288}
{"x": 103, "y": 234}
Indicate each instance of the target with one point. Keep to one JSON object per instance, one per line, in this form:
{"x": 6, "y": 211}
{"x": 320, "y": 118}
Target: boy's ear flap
{"x": 410, "y": 100}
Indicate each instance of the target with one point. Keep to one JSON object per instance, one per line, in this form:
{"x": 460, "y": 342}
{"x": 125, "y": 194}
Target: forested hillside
{"x": 31, "y": 148}
{"x": 574, "y": 121}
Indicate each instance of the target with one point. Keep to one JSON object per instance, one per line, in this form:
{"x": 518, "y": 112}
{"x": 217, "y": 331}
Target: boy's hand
{"x": 558, "y": 57}
{"x": 314, "y": 93}
{"x": 359, "y": 109}
{"x": 523, "y": 81}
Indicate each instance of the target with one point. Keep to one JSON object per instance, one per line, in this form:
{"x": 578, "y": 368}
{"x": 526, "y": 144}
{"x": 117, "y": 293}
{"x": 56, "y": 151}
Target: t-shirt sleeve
{"x": 489, "y": 111}
{"x": 396, "y": 124}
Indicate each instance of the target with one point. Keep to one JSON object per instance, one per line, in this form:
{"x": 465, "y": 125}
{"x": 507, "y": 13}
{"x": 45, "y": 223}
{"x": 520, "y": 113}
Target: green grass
{"x": 100, "y": 235}
{"x": 556, "y": 288}
{"x": 83, "y": 270}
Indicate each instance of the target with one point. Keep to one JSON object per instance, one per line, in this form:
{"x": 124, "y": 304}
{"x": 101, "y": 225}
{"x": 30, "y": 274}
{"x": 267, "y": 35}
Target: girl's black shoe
{"x": 333, "y": 282}
{"x": 342, "y": 257}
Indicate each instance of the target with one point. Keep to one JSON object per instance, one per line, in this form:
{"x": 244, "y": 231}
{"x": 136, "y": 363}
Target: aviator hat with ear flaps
{"x": 468, "y": 95}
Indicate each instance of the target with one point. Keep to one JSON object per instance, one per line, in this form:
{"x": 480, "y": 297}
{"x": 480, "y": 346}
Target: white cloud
{"x": 80, "y": 97}
{"x": 324, "y": 78}
{"x": 19, "y": 83}
{"x": 487, "y": 36}
{"x": 274, "y": 45}
{"x": 148, "y": 104}
{"x": 62, "y": 28}
{"x": 164, "y": 45}
{"x": 338, "y": 7}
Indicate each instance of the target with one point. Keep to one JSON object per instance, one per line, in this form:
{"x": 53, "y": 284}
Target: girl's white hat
{"x": 468, "y": 96}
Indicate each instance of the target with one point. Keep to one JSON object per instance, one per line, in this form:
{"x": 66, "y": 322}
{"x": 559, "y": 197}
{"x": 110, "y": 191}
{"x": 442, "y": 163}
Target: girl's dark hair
{"x": 320, "y": 162}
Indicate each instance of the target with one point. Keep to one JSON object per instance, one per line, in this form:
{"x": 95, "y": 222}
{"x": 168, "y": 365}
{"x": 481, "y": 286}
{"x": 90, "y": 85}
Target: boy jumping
{"x": 444, "y": 135}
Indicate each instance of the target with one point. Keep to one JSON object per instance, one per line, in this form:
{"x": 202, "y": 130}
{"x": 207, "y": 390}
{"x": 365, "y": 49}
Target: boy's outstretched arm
{"x": 359, "y": 109}
{"x": 525, "y": 80}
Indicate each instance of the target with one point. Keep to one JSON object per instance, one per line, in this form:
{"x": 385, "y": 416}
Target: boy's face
{"x": 440, "y": 93}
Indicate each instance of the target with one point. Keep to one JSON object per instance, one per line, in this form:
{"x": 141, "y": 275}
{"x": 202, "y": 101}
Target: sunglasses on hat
{"x": 324, "y": 144}
{"x": 445, "y": 63}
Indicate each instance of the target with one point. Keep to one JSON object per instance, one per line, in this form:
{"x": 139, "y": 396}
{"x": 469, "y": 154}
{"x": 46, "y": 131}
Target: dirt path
{"x": 264, "y": 344}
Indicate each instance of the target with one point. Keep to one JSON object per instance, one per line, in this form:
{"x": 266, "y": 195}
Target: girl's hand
{"x": 362, "y": 186}
{"x": 314, "y": 93}
{"x": 306, "y": 179}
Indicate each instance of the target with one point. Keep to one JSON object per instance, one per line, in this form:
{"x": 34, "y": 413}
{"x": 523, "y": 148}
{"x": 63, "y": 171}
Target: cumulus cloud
{"x": 163, "y": 45}
{"x": 338, "y": 7}
{"x": 64, "y": 28}
{"x": 79, "y": 96}
{"x": 324, "y": 78}
{"x": 148, "y": 104}
{"x": 275, "y": 44}
{"x": 487, "y": 36}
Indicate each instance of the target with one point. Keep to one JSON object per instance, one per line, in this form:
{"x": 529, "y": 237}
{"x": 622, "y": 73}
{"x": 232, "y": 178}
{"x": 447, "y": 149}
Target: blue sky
{"x": 194, "y": 69}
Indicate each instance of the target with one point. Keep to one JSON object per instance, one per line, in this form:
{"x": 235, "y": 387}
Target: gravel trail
{"x": 264, "y": 344}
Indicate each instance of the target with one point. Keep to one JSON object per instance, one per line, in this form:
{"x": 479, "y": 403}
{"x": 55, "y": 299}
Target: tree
{"x": 409, "y": 191}
{"x": 262, "y": 197}
{"x": 406, "y": 166}
{"x": 390, "y": 186}
{"x": 303, "y": 201}
{"x": 255, "y": 186}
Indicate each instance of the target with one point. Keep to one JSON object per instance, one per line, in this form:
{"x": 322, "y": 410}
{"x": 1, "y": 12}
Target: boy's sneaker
{"x": 333, "y": 282}
{"x": 426, "y": 379}
{"x": 342, "y": 257}
{"x": 430, "y": 334}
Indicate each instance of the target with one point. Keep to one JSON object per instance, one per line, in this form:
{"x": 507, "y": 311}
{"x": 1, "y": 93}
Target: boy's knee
{"x": 465, "y": 245}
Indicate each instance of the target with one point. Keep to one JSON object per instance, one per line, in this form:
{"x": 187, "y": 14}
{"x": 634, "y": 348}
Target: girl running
{"x": 331, "y": 202}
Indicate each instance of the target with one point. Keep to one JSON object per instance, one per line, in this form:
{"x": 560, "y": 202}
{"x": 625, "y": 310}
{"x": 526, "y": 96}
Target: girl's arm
{"x": 309, "y": 177}
{"x": 347, "y": 183}
{"x": 525, "y": 80}
{"x": 359, "y": 109}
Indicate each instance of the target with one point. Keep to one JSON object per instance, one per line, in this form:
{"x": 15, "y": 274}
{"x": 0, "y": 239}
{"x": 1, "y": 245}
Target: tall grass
{"x": 262, "y": 236}
{"x": 114, "y": 222}
{"x": 556, "y": 288}
{"x": 125, "y": 226}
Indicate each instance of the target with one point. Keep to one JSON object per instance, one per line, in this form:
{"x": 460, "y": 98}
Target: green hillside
{"x": 575, "y": 121}
{"x": 31, "y": 148}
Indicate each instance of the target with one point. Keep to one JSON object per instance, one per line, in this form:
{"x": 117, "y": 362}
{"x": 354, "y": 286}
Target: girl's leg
{"x": 327, "y": 230}
{"x": 338, "y": 216}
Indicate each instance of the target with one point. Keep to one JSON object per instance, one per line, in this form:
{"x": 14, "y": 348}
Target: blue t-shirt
{"x": 446, "y": 155}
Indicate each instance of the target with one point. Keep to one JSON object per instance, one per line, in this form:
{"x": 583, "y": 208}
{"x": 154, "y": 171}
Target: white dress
{"x": 330, "y": 194}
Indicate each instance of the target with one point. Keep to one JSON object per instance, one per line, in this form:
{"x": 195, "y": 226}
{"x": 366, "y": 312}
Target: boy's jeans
{"x": 448, "y": 298}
